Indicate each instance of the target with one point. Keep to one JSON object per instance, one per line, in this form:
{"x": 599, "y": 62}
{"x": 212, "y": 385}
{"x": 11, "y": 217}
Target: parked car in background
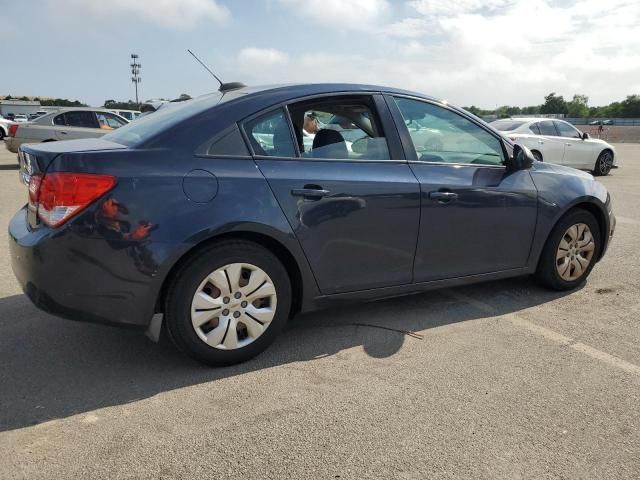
{"x": 64, "y": 124}
{"x": 20, "y": 118}
{"x": 33, "y": 116}
{"x": 557, "y": 141}
{"x": 128, "y": 114}
{"x": 212, "y": 213}
{"x": 4, "y": 127}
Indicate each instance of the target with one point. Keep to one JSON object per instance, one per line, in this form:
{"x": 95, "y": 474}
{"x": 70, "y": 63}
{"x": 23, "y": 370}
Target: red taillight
{"x": 13, "y": 128}
{"x": 59, "y": 196}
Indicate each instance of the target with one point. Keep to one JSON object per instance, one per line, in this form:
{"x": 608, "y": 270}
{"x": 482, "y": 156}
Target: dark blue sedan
{"x": 234, "y": 211}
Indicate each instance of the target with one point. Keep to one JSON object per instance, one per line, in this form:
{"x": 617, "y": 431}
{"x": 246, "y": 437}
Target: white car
{"x": 20, "y": 118}
{"x": 4, "y": 127}
{"x": 64, "y": 124}
{"x": 557, "y": 141}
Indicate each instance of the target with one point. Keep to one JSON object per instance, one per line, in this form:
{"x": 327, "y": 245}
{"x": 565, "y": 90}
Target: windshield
{"x": 170, "y": 114}
{"x": 507, "y": 125}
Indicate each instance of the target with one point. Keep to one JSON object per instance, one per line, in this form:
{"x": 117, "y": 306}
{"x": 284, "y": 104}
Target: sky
{"x": 469, "y": 52}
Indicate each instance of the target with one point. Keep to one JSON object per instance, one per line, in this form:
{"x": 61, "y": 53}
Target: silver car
{"x": 64, "y": 124}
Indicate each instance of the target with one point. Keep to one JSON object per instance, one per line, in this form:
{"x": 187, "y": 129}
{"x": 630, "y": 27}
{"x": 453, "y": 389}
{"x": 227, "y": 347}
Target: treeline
{"x": 577, "y": 107}
{"x": 131, "y": 105}
{"x": 49, "y": 102}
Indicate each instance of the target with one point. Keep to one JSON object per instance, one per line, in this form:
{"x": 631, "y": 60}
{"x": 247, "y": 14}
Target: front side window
{"x": 339, "y": 127}
{"x": 567, "y": 130}
{"x": 270, "y": 136}
{"x": 534, "y": 128}
{"x": 546, "y": 128}
{"x": 81, "y": 118}
{"x": 108, "y": 121}
{"x": 59, "y": 119}
{"x": 441, "y": 135}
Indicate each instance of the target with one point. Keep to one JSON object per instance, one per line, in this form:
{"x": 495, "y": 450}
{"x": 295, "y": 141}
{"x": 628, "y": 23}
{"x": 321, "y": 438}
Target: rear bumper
{"x": 73, "y": 276}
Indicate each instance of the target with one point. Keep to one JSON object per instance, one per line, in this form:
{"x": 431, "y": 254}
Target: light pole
{"x": 135, "y": 72}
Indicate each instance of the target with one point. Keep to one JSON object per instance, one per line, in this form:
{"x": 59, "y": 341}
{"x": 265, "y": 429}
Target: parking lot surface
{"x": 508, "y": 381}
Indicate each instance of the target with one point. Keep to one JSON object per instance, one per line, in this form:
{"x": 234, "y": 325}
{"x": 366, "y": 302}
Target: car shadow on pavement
{"x": 4, "y": 166}
{"x": 52, "y": 368}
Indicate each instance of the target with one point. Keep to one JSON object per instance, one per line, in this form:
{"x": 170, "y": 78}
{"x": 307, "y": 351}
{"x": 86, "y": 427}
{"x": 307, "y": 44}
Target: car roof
{"x": 283, "y": 92}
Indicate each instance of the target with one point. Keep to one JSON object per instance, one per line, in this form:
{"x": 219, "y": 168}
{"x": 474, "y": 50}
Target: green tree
{"x": 578, "y": 107}
{"x": 630, "y": 107}
{"x": 554, "y": 104}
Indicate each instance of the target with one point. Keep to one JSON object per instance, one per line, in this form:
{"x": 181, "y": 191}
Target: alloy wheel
{"x": 575, "y": 252}
{"x": 605, "y": 162}
{"x": 233, "y": 306}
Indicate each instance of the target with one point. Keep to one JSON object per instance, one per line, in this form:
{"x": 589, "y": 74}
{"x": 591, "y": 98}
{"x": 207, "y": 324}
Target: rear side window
{"x": 83, "y": 119}
{"x": 547, "y": 128}
{"x": 231, "y": 144}
{"x": 534, "y": 128}
{"x": 59, "y": 120}
{"x": 270, "y": 136}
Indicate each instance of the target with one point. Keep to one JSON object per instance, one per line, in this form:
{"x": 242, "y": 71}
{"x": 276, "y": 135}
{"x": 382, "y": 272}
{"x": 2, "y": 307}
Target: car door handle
{"x": 310, "y": 191}
{"x": 63, "y": 133}
{"x": 568, "y": 144}
{"x": 540, "y": 142}
{"x": 443, "y": 197}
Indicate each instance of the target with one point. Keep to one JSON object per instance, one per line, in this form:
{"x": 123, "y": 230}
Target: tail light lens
{"x": 13, "y": 128}
{"x": 59, "y": 196}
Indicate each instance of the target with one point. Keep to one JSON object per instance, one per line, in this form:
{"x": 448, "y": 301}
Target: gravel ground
{"x": 509, "y": 381}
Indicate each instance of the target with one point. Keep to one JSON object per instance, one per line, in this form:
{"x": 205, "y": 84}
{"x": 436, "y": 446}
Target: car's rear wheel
{"x": 570, "y": 252}
{"x": 1, "y": 134}
{"x": 603, "y": 164}
{"x": 537, "y": 155}
{"x": 228, "y": 302}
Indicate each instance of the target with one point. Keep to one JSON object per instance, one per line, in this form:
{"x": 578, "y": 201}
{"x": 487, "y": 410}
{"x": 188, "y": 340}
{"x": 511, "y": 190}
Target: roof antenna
{"x": 224, "y": 87}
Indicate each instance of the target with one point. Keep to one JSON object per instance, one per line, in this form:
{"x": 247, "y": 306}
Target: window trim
{"x": 405, "y": 136}
{"x": 378, "y": 100}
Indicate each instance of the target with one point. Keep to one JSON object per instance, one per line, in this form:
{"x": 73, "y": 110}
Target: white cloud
{"x": 448, "y": 7}
{"x": 350, "y": 14}
{"x": 253, "y": 58}
{"x": 175, "y": 14}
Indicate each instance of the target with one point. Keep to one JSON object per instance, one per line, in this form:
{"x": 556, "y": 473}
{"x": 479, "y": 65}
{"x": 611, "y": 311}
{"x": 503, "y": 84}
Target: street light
{"x": 135, "y": 72}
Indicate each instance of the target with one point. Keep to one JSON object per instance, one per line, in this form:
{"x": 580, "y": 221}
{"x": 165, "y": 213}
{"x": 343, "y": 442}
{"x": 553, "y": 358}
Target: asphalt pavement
{"x": 509, "y": 381}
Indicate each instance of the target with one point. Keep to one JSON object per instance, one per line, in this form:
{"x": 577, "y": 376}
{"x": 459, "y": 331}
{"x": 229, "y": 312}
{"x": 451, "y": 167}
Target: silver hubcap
{"x": 575, "y": 252}
{"x": 233, "y": 306}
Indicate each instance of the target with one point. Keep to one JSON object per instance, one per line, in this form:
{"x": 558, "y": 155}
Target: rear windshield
{"x": 168, "y": 115}
{"x": 507, "y": 125}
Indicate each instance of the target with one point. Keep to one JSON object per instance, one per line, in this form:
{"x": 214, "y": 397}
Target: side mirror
{"x": 585, "y": 136}
{"x": 522, "y": 159}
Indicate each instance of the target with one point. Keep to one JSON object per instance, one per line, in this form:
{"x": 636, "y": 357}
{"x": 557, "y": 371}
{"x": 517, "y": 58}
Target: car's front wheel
{"x": 228, "y": 302}
{"x": 603, "y": 164}
{"x": 570, "y": 252}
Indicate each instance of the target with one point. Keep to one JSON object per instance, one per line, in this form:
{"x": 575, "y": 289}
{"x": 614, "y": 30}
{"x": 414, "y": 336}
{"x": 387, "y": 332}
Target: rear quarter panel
{"x": 135, "y": 234}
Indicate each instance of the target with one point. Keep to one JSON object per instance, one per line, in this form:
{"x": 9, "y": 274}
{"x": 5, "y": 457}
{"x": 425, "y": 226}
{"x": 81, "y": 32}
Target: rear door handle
{"x": 62, "y": 133}
{"x": 443, "y": 197}
{"x": 311, "y": 192}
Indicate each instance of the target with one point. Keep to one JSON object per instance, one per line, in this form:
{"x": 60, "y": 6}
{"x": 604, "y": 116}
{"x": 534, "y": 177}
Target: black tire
{"x": 188, "y": 278}
{"x": 547, "y": 273}
{"x": 1, "y": 134}
{"x": 537, "y": 155}
{"x": 603, "y": 164}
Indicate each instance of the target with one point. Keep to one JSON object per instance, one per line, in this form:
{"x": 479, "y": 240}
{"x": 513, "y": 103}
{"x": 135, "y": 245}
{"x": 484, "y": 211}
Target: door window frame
{"x": 384, "y": 115}
{"x": 577, "y": 132}
{"x": 407, "y": 142}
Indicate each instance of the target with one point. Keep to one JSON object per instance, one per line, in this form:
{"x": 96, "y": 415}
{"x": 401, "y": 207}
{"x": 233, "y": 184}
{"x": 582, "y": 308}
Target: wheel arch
{"x": 599, "y": 213}
{"x": 275, "y": 246}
